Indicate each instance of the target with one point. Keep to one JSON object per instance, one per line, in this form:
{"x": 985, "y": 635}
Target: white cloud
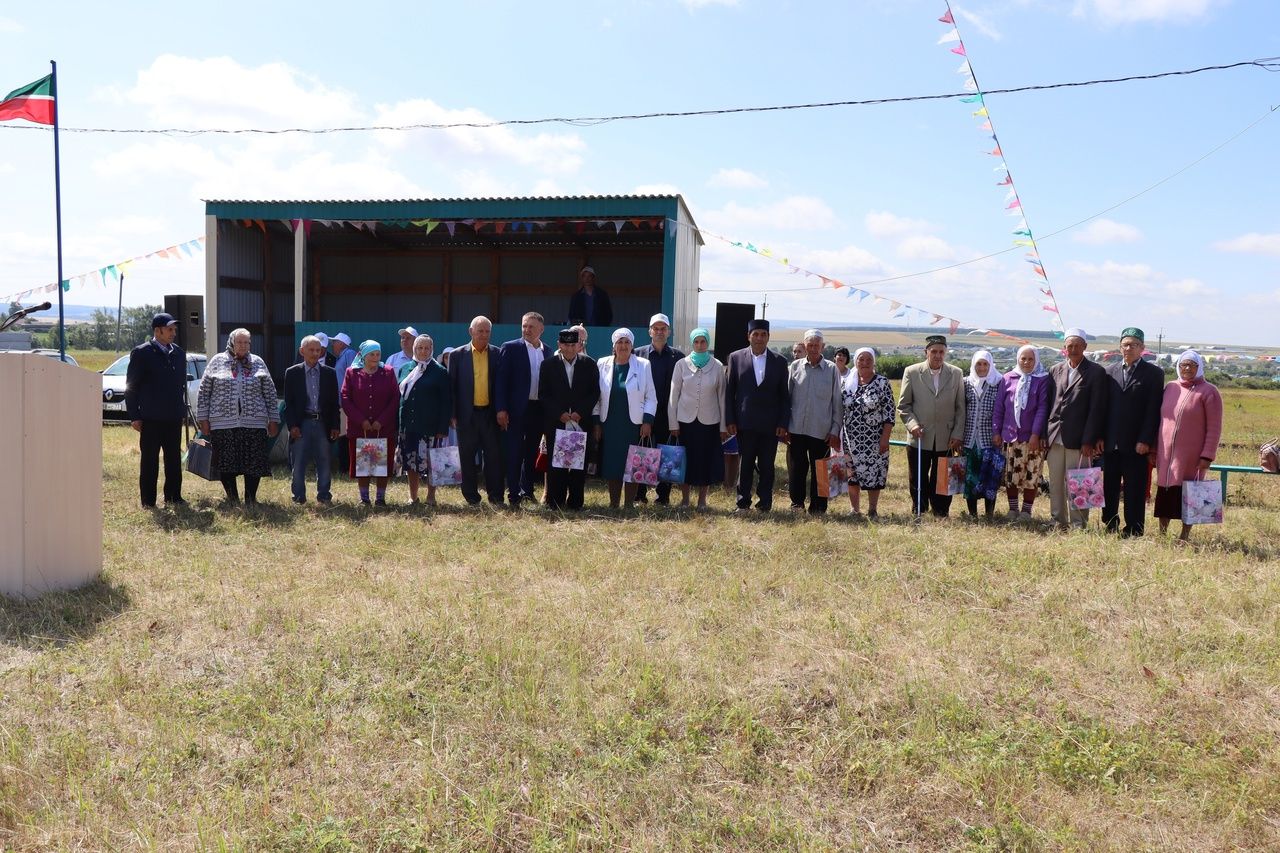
{"x": 793, "y": 212}
{"x": 1138, "y": 11}
{"x": 7, "y": 169}
{"x": 737, "y": 179}
{"x": 1253, "y": 242}
{"x": 979, "y": 23}
{"x": 1103, "y": 231}
{"x": 926, "y": 248}
{"x": 1112, "y": 271}
{"x": 548, "y": 152}
{"x": 9, "y": 25}
{"x": 1129, "y": 281}
{"x": 179, "y": 91}
{"x": 881, "y": 223}
{"x": 133, "y": 224}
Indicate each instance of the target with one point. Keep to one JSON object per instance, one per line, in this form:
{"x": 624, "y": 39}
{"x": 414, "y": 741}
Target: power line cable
{"x": 1270, "y": 63}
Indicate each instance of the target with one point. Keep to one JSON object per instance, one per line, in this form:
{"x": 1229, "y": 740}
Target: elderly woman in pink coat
{"x": 1190, "y": 426}
{"x": 1018, "y": 423}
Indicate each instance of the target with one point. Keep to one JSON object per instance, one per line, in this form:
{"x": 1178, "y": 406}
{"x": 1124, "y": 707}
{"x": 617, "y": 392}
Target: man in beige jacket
{"x": 931, "y": 404}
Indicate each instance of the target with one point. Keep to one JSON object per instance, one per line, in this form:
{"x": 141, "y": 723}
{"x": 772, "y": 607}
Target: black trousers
{"x": 1124, "y": 471}
{"x": 157, "y": 436}
{"x": 757, "y": 452}
{"x": 940, "y": 505}
{"x": 565, "y": 487}
{"x": 802, "y": 458}
{"x": 521, "y": 445}
{"x": 481, "y": 435}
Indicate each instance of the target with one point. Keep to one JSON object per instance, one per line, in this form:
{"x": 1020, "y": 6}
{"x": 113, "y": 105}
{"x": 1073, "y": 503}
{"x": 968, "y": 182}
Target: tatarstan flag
{"x": 34, "y": 102}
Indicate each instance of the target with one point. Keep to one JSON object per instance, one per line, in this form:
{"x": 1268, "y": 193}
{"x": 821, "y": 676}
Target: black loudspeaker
{"x": 731, "y": 327}
{"x": 189, "y": 312}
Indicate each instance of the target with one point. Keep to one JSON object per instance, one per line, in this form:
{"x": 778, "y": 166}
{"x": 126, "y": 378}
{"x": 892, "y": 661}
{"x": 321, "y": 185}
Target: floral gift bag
{"x": 642, "y": 465}
{"x": 1201, "y": 502}
{"x": 832, "y": 475}
{"x": 446, "y": 466}
{"x": 1084, "y": 488}
{"x": 570, "y": 451}
{"x": 371, "y": 457}
{"x": 951, "y": 474}
{"x": 674, "y": 463}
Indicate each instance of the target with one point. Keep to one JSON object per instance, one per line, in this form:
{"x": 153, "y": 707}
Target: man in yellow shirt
{"x": 472, "y": 378}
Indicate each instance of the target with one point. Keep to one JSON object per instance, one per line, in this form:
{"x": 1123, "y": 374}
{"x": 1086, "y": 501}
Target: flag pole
{"x": 57, "y": 206}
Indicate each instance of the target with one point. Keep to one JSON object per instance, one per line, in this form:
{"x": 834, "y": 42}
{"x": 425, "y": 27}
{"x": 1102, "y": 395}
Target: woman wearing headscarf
{"x": 697, "y": 410}
{"x": 237, "y": 408}
{"x": 371, "y": 399}
{"x": 1190, "y": 427}
{"x": 625, "y": 413}
{"x": 426, "y": 405}
{"x": 1018, "y": 425}
{"x": 980, "y": 392}
{"x": 869, "y": 414}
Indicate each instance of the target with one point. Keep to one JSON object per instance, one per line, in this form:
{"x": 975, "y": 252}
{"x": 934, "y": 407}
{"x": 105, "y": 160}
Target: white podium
{"x": 50, "y": 475}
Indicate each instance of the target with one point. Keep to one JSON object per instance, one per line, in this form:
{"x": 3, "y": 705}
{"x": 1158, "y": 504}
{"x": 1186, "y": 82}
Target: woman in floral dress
{"x": 868, "y": 421}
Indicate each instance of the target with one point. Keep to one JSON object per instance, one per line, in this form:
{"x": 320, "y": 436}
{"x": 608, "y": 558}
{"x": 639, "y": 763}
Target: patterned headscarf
{"x": 238, "y": 364}
{"x": 1023, "y": 393}
{"x": 992, "y": 379}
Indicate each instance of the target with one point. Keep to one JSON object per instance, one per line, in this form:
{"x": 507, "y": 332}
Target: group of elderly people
{"x": 504, "y": 404}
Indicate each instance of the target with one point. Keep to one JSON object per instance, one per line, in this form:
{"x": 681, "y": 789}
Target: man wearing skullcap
{"x": 931, "y": 405}
{"x": 1077, "y": 425}
{"x": 757, "y": 411}
{"x": 1135, "y": 392}
{"x": 662, "y": 363}
{"x": 568, "y": 389}
{"x": 590, "y": 305}
{"x": 816, "y": 415}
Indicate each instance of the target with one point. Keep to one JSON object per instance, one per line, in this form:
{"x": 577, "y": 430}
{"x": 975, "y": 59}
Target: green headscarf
{"x": 700, "y": 359}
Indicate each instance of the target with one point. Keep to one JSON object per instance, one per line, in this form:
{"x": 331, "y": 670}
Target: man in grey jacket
{"x": 1077, "y": 425}
{"x": 814, "y": 385}
{"x": 931, "y": 404}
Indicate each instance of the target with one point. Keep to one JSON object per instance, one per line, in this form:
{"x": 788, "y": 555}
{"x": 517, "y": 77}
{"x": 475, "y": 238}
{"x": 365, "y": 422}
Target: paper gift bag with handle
{"x": 642, "y": 465}
{"x": 832, "y": 475}
{"x": 570, "y": 452}
{"x": 1201, "y": 502}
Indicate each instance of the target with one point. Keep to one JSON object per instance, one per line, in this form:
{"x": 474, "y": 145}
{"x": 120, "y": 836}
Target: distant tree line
{"x": 100, "y": 331}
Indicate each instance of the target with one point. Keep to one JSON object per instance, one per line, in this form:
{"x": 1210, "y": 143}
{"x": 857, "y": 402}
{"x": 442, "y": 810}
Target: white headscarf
{"x": 1023, "y": 393}
{"x": 852, "y": 379}
{"x": 619, "y": 334}
{"x": 414, "y": 375}
{"x": 1192, "y": 355}
{"x": 979, "y": 383}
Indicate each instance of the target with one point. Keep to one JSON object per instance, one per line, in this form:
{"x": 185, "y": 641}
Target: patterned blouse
{"x": 977, "y": 416}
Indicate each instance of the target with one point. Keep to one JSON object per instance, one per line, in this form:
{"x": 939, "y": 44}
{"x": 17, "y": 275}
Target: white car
{"x": 113, "y": 381}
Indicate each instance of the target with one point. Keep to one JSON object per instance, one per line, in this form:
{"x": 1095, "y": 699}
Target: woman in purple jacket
{"x": 371, "y": 399}
{"x": 1018, "y": 423}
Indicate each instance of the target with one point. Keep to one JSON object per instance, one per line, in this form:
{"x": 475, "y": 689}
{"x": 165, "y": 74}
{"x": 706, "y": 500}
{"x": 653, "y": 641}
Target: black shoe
{"x": 662, "y": 501}
{"x": 380, "y": 502}
{"x": 146, "y": 505}
{"x": 174, "y": 502}
{"x": 642, "y": 499}
{"x": 298, "y": 500}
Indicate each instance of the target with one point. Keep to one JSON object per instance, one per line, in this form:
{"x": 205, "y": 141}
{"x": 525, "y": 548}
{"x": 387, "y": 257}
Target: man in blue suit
{"x": 519, "y": 410}
{"x": 757, "y": 409}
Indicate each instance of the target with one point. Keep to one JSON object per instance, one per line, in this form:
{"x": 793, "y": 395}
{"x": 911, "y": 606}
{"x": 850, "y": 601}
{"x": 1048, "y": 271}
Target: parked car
{"x": 113, "y": 381}
{"x": 54, "y": 354}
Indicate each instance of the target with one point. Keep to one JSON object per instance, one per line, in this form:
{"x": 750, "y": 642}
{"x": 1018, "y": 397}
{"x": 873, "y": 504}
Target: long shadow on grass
{"x": 58, "y": 618}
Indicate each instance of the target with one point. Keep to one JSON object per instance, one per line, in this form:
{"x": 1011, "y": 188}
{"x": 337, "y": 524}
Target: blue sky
{"x": 855, "y": 193}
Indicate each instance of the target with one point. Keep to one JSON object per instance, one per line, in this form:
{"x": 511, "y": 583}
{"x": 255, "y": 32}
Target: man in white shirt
{"x": 519, "y": 410}
{"x": 757, "y": 411}
{"x": 405, "y": 356}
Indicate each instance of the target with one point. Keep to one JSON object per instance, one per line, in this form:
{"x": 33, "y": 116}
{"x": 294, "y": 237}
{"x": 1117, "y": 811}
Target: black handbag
{"x": 199, "y": 456}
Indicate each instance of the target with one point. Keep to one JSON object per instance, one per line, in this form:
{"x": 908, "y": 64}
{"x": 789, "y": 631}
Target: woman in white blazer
{"x": 625, "y": 413}
{"x": 697, "y": 416}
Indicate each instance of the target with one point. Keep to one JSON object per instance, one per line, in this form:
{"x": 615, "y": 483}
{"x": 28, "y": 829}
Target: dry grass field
{"x": 294, "y": 679}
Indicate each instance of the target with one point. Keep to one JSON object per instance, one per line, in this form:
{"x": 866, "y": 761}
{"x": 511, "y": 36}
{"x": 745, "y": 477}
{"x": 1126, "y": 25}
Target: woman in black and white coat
{"x": 237, "y": 408}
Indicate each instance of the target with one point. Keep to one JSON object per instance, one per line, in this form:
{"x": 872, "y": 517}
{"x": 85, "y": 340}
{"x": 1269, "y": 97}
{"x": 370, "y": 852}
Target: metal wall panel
{"x": 239, "y": 251}
{"x": 466, "y": 306}
{"x": 238, "y": 307}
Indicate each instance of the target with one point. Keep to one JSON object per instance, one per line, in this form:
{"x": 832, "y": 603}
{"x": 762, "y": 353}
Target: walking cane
{"x": 919, "y": 478}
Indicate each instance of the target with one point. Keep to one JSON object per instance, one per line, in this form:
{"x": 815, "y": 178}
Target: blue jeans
{"x": 311, "y": 446}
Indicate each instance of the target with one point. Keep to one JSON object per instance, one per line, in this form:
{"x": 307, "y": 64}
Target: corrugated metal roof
{"x": 429, "y": 200}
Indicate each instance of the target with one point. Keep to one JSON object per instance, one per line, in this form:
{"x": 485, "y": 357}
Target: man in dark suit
{"x": 757, "y": 410}
{"x": 311, "y": 416}
{"x": 519, "y": 407}
{"x": 662, "y": 364}
{"x": 155, "y": 397}
{"x": 1135, "y": 392}
{"x": 590, "y": 305}
{"x": 1077, "y": 425}
{"x": 568, "y": 388}
{"x": 473, "y": 379}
